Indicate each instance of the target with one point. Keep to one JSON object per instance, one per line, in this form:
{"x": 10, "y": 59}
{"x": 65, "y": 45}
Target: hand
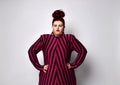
{"x": 68, "y": 65}
{"x": 45, "y": 68}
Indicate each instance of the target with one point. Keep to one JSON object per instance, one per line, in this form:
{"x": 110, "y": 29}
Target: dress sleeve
{"x": 80, "y": 49}
{"x": 33, "y": 50}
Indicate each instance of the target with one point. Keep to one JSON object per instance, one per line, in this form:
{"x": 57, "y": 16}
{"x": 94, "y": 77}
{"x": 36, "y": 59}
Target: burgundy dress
{"x": 57, "y": 53}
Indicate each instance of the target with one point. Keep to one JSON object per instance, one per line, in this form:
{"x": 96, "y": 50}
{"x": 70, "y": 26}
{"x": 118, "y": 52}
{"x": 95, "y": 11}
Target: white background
{"x": 96, "y": 23}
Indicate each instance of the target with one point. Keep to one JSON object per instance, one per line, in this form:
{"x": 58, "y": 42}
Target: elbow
{"x": 85, "y": 51}
{"x": 30, "y": 50}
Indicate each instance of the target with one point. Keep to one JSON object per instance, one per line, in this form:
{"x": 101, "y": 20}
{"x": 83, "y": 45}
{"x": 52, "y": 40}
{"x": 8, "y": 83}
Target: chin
{"x": 58, "y": 33}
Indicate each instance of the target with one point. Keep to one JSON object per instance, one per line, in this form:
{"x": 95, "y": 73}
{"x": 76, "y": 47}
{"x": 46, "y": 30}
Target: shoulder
{"x": 70, "y": 35}
{"x": 45, "y": 35}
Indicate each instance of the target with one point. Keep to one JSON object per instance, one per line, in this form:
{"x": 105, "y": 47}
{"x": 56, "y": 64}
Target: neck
{"x": 57, "y": 35}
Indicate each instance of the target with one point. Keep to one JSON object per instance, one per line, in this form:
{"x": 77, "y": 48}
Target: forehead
{"x": 57, "y": 22}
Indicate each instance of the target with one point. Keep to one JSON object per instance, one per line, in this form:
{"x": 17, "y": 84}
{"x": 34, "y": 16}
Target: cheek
{"x": 61, "y": 28}
{"x": 54, "y": 28}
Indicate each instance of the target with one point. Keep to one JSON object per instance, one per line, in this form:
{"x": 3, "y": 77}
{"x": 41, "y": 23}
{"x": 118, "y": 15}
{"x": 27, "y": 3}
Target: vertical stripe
{"x": 57, "y": 52}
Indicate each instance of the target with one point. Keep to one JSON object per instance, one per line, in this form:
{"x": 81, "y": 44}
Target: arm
{"x": 80, "y": 49}
{"x": 33, "y": 50}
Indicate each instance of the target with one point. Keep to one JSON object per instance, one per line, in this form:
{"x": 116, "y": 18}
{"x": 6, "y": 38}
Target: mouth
{"x": 57, "y": 30}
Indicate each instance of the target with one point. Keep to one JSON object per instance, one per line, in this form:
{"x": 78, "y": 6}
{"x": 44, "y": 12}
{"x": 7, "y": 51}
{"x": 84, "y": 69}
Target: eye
{"x": 61, "y": 25}
{"x": 55, "y": 25}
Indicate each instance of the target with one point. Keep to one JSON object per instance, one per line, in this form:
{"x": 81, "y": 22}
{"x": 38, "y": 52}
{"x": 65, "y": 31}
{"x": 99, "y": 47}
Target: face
{"x": 58, "y": 27}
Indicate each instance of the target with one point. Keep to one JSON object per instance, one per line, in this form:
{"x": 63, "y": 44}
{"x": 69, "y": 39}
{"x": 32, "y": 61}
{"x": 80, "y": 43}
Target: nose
{"x": 57, "y": 27}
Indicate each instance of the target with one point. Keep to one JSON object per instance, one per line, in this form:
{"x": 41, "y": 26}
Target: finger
{"x": 69, "y": 66}
{"x": 44, "y": 71}
{"x": 45, "y": 68}
{"x": 46, "y": 65}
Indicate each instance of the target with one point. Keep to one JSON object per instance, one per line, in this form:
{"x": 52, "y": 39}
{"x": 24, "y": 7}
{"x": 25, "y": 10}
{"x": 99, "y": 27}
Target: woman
{"x": 57, "y": 48}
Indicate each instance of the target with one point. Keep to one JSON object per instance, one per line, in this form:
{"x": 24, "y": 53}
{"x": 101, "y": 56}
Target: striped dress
{"x": 57, "y": 53}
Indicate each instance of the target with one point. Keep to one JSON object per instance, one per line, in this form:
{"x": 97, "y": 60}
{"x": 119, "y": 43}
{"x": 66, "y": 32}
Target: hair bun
{"x": 58, "y": 14}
